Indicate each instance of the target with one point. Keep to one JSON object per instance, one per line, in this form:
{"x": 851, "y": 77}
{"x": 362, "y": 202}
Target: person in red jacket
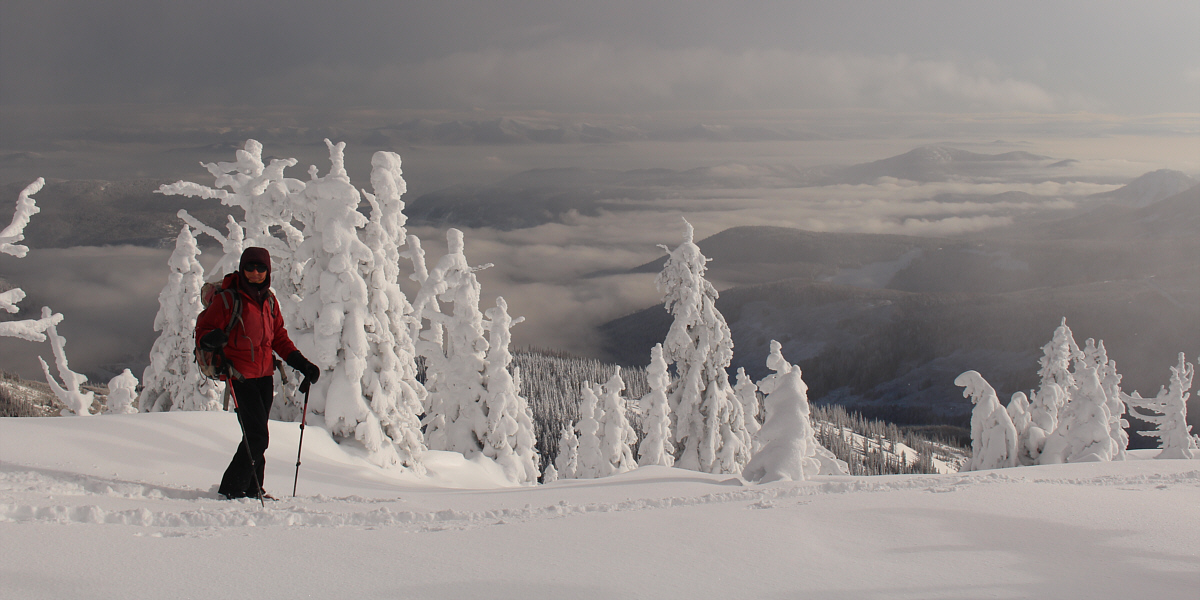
{"x": 249, "y": 350}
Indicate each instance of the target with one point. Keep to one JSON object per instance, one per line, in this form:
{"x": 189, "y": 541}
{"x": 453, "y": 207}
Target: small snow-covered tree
{"x": 656, "y": 447}
{"x": 747, "y": 394}
{"x": 788, "y": 441}
{"x": 77, "y": 402}
{"x": 172, "y": 380}
{"x": 780, "y": 367}
{"x": 1057, "y": 379}
{"x": 1083, "y": 427}
{"x": 590, "y": 463}
{"x": 1168, "y": 412}
{"x": 33, "y": 330}
{"x": 122, "y": 393}
{"x": 616, "y": 434}
{"x": 550, "y": 475}
{"x": 508, "y": 438}
{"x": 1110, "y": 382}
{"x": 993, "y": 436}
{"x": 1018, "y": 412}
{"x": 455, "y": 350}
{"x": 709, "y": 430}
{"x": 567, "y": 460}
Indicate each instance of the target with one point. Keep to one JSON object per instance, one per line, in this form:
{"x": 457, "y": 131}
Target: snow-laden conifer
{"x": 993, "y": 436}
{"x": 33, "y": 330}
{"x": 1018, "y": 412}
{"x": 1168, "y": 412}
{"x": 656, "y": 447}
{"x": 1056, "y": 379}
{"x": 172, "y": 380}
{"x": 77, "y": 401}
{"x": 550, "y": 475}
{"x": 390, "y": 380}
{"x": 455, "y": 350}
{"x": 710, "y": 433}
{"x": 830, "y": 464}
{"x": 1110, "y": 381}
{"x": 566, "y": 462}
{"x": 591, "y": 460}
{"x": 747, "y": 394}
{"x": 508, "y": 437}
{"x": 616, "y": 434}
{"x": 333, "y": 320}
{"x": 122, "y": 393}
{"x": 1083, "y": 426}
{"x": 788, "y": 441}
{"x": 268, "y": 203}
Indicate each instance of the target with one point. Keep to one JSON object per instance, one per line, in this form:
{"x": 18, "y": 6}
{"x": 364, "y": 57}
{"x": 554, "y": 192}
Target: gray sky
{"x": 615, "y": 56}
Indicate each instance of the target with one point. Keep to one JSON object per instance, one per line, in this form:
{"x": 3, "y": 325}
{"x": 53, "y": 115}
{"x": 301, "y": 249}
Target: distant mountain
{"x": 1150, "y": 188}
{"x": 542, "y": 196}
{"x": 1173, "y": 220}
{"x": 933, "y": 163}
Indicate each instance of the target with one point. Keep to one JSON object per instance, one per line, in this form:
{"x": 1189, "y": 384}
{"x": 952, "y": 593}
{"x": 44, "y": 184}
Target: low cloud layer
{"x": 598, "y": 77}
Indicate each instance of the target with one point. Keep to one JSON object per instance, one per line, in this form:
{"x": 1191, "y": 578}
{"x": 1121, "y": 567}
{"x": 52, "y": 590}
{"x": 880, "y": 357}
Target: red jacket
{"x": 251, "y": 341}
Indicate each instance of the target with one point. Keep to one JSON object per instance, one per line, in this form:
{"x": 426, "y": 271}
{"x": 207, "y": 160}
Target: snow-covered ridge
{"x": 46, "y": 482}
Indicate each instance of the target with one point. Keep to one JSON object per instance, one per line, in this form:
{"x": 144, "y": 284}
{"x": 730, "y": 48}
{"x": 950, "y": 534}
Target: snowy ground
{"x": 125, "y": 507}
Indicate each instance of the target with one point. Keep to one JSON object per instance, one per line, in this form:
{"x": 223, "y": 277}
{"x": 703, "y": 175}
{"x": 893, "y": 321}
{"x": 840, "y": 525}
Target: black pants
{"x": 253, "y": 397}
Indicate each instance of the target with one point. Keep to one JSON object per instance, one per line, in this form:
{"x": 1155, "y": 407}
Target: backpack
{"x": 212, "y": 363}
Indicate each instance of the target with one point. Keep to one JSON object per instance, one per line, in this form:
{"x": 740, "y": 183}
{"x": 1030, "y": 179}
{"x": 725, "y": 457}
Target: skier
{"x": 254, "y": 336}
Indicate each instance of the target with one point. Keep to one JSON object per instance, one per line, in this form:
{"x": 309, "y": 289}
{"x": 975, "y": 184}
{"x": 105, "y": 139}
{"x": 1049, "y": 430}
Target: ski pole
{"x": 303, "y": 418}
{"x": 246, "y": 443}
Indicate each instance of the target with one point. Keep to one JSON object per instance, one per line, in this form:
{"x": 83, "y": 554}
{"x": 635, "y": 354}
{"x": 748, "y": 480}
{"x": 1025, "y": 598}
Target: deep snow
{"x": 124, "y": 506}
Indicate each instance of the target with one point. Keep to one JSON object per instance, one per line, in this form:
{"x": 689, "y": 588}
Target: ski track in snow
{"x": 198, "y": 511}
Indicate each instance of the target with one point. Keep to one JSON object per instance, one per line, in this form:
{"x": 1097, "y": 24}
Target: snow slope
{"x": 124, "y": 506}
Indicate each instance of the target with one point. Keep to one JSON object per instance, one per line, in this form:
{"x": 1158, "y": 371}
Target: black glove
{"x": 213, "y": 340}
{"x": 310, "y": 371}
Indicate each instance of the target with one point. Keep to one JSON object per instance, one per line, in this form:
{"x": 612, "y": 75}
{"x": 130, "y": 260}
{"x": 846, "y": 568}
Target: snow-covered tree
{"x": 77, "y": 402}
{"x": 656, "y": 447}
{"x": 590, "y": 462}
{"x": 1057, "y": 379}
{"x": 334, "y": 317}
{"x": 788, "y": 441}
{"x": 122, "y": 393}
{"x": 455, "y": 350}
{"x": 268, "y": 201}
{"x": 747, "y": 394}
{"x": 1018, "y": 412}
{"x": 566, "y": 463}
{"x": 993, "y": 436}
{"x": 33, "y": 330}
{"x": 550, "y": 475}
{"x": 616, "y": 434}
{"x": 390, "y": 380}
{"x": 1110, "y": 382}
{"x": 172, "y": 380}
{"x": 709, "y": 430}
{"x": 780, "y": 367}
{"x": 1168, "y": 412}
{"x": 1083, "y": 427}
{"x": 508, "y": 437}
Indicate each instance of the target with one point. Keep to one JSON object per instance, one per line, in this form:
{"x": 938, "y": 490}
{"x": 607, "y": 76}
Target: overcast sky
{"x": 616, "y": 56}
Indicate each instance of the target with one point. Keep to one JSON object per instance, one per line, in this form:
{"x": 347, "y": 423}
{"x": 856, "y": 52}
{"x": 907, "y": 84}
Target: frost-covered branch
{"x": 15, "y": 232}
{"x": 77, "y": 402}
{"x": 33, "y": 330}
